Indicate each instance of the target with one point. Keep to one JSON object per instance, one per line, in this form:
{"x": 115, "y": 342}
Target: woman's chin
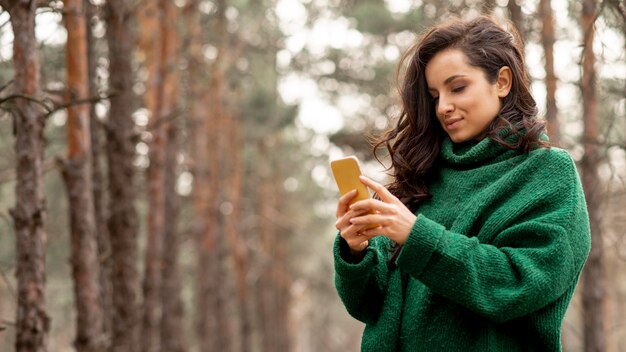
{"x": 457, "y": 137}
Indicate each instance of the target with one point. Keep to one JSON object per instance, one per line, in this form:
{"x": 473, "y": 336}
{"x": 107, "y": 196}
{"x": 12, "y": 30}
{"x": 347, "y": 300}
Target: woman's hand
{"x": 356, "y": 240}
{"x": 395, "y": 220}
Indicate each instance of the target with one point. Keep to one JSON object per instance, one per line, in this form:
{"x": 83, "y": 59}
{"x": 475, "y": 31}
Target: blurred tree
{"x": 517, "y": 17}
{"x": 172, "y": 323}
{"x": 29, "y": 214}
{"x": 123, "y": 222}
{"x": 204, "y": 115}
{"x": 152, "y": 43}
{"x": 98, "y": 176}
{"x": 172, "y": 328}
{"x": 594, "y": 275}
{"x": 547, "y": 41}
{"x": 77, "y": 174}
{"x": 273, "y": 284}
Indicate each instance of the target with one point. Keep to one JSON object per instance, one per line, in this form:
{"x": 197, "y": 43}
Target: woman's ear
{"x": 505, "y": 79}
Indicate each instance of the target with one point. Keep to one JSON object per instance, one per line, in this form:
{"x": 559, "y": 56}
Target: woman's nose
{"x": 444, "y": 106}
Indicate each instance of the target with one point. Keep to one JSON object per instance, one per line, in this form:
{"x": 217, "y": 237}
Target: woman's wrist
{"x": 350, "y": 254}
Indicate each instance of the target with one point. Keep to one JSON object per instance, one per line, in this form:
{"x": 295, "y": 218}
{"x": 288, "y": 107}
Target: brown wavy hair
{"x": 414, "y": 142}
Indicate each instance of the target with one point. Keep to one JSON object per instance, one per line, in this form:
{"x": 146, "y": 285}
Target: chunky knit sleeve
{"x": 524, "y": 265}
{"x": 361, "y": 285}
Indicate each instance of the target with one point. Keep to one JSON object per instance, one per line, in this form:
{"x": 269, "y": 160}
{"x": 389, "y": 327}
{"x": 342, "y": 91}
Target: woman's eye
{"x": 458, "y": 89}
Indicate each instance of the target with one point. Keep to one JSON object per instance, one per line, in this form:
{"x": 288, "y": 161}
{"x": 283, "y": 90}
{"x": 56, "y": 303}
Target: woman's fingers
{"x": 369, "y": 219}
{"x": 373, "y": 232}
{"x": 344, "y": 220}
{"x": 344, "y": 201}
{"x": 369, "y": 205}
{"x": 381, "y": 190}
{"x": 355, "y": 237}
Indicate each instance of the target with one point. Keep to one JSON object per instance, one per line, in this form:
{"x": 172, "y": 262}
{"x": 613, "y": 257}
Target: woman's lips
{"x": 453, "y": 123}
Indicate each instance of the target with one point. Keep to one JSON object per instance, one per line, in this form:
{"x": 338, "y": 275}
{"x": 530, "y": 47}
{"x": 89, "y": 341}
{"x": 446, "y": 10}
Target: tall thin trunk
{"x": 99, "y": 186}
{"x": 594, "y": 275}
{"x": 123, "y": 223}
{"x": 29, "y": 215}
{"x": 267, "y": 299}
{"x": 202, "y": 135}
{"x": 547, "y": 40}
{"x": 172, "y": 323}
{"x": 212, "y": 325}
{"x": 210, "y": 328}
{"x": 172, "y": 329}
{"x": 233, "y": 184}
{"x": 273, "y": 282}
{"x": 517, "y": 17}
{"x": 151, "y": 44}
{"x": 76, "y": 171}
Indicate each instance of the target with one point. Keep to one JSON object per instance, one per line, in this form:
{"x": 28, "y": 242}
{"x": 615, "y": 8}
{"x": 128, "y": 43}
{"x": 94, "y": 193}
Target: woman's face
{"x": 465, "y": 102}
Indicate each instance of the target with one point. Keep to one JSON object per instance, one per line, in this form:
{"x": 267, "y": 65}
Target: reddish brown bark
{"x": 547, "y": 40}
{"x": 594, "y": 274}
{"x": 205, "y": 114}
{"x": 76, "y": 171}
{"x": 122, "y": 224}
{"x": 172, "y": 324}
{"x": 29, "y": 214}
{"x": 273, "y": 284}
{"x": 233, "y": 184}
{"x": 99, "y": 187}
{"x": 151, "y": 43}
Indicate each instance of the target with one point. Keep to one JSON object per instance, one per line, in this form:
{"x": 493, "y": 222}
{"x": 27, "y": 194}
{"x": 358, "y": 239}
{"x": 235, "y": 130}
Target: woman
{"x": 484, "y": 231}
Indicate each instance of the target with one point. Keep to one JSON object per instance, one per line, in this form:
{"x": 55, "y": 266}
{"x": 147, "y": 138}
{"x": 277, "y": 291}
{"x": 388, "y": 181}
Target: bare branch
{"x": 10, "y": 175}
{"x": 6, "y": 85}
{"x": 8, "y": 283}
{"x": 23, "y": 96}
{"x": 69, "y": 103}
{"x": 55, "y": 106}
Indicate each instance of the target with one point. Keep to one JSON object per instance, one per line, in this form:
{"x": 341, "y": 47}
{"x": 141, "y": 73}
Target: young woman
{"x": 484, "y": 230}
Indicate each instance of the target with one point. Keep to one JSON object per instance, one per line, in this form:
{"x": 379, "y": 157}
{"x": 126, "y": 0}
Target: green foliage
{"x": 373, "y": 17}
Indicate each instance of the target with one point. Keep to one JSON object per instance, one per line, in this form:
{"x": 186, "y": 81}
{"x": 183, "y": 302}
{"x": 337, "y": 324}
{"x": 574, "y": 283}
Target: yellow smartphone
{"x": 346, "y": 172}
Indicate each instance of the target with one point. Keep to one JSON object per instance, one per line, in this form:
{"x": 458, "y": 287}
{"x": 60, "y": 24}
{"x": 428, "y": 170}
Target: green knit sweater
{"x": 490, "y": 264}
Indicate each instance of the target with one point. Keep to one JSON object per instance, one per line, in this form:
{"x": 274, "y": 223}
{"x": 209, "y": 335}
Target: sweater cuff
{"x": 349, "y": 267}
{"x": 420, "y": 245}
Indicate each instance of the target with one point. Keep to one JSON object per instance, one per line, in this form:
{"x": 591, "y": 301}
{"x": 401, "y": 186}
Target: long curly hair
{"x": 414, "y": 142}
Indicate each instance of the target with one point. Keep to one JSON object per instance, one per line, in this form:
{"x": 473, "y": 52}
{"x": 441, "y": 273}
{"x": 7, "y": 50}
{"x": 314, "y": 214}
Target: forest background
{"x": 164, "y": 180}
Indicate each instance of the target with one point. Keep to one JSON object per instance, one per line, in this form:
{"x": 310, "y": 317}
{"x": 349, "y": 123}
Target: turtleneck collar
{"x": 472, "y": 153}
{"x": 477, "y": 153}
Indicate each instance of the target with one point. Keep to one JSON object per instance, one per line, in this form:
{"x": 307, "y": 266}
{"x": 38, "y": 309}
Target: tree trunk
{"x": 205, "y": 113}
{"x": 547, "y": 40}
{"x": 210, "y": 327}
{"x": 517, "y": 17}
{"x": 594, "y": 275}
{"x": 233, "y": 184}
{"x": 200, "y": 134}
{"x": 151, "y": 43}
{"x": 123, "y": 225}
{"x": 273, "y": 283}
{"x": 267, "y": 230}
{"x": 99, "y": 186}
{"x": 29, "y": 215}
{"x": 172, "y": 325}
{"x": 76, "y": 171}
